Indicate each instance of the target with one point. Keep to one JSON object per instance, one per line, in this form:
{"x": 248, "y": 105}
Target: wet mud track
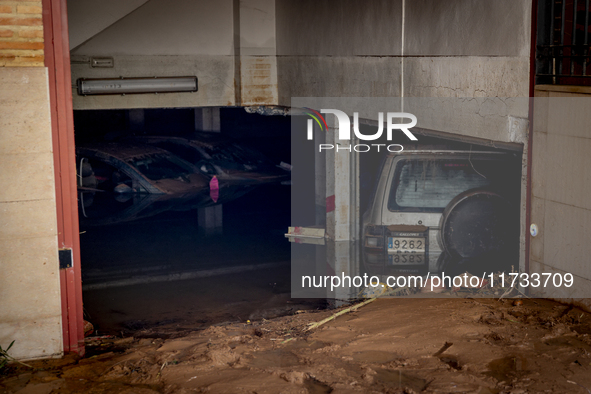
{"x": 388, "y": 346}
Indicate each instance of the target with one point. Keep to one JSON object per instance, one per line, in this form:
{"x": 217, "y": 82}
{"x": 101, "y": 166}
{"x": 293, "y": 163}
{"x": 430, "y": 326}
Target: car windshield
{"x": 233, "y": 154}
{"x": 432, "y": 184}
{"x": 156, "y": 167}
{"x": 185, "y": 152}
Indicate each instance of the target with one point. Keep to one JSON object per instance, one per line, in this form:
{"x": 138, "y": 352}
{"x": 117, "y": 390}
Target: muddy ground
{"x": 388, "y": 346}
{"x": 182, "y": 306}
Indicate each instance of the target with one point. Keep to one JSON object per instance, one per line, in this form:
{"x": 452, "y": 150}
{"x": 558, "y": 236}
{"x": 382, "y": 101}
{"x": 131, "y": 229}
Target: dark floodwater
{"x": 171, "y": 243}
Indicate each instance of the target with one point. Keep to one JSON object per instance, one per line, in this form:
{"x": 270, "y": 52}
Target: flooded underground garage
{"x": 162, "y": 259}
{"x": 289, "y": 196}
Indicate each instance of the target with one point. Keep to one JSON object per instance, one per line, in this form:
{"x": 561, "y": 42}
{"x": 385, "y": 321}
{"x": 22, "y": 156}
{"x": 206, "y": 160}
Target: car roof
{"x": 123, "y": 151}
{"x": 195, "y": 139}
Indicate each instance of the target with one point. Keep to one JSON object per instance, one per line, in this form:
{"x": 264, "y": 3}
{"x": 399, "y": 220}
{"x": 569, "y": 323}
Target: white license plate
{"x": 407, "y": 258}
{"x": 400, "y": 245}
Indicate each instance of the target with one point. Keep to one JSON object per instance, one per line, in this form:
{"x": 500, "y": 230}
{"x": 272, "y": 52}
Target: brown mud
{"x": 389, "y": 346}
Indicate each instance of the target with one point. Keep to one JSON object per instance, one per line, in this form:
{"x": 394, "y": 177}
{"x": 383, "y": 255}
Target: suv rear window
{"x": 429, "y": 185}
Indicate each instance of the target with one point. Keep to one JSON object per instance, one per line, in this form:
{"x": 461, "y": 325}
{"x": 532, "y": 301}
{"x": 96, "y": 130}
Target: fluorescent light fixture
{"x": 136, "y": 85}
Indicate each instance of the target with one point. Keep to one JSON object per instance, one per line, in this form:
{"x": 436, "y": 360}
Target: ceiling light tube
{"x": 136, "y": 85}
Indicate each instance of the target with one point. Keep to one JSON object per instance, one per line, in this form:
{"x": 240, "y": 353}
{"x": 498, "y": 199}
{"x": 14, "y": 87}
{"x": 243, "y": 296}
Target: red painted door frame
{"x": 530, "y": 134}
{"x": 57, "y": 61}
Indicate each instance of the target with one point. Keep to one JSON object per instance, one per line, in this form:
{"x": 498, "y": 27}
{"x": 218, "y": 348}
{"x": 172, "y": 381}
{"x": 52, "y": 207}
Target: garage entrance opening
{"x": 443, "y": 206}
{"x": 182, "y": 228}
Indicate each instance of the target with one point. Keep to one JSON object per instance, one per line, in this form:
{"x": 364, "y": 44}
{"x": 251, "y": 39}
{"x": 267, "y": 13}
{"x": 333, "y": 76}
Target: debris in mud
{"x": 490, "y": 286}
{"x": 452, "y": 361}
{"x": 314, "y": 386}
{"x": 445, "y": 346}
{"x": 494, "y": 337}
{"x": 312, "y": 326}
{"x": 88, "y": 328}
{"x": 389, "y": 346}
{"x": 493, "y": 318}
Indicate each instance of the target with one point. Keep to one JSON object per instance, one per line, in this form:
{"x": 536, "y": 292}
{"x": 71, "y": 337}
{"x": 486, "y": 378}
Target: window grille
{"x": 563, "y": 55}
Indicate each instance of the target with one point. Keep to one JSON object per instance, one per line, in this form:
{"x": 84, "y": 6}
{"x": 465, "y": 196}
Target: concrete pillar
{"x": 342, "y": 187}
{"x": 207, "y": 119}
{"x": 209, "y": 218}
{"x": 136, "y": 120}
{"x": 343, "y": 258}
{"x": 255, "y": 48}
{"x": 342, "y": 209}
{"x": 320, "y": 177}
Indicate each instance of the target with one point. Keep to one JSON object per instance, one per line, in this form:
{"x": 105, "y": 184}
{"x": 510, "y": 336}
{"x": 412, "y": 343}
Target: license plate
{"x": 406, "y": 258}
{"x": 399, "y": 245}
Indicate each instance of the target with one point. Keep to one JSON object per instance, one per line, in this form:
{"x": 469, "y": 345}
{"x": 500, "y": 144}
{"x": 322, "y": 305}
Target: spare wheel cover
{"x": 477, "y": 222}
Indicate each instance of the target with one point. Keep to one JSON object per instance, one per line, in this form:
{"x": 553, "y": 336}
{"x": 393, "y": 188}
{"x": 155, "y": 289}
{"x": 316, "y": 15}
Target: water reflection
{"x": 100, "y": 208}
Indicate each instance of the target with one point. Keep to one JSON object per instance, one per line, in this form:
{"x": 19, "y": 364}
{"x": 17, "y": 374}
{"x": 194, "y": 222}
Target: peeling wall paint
{"x": 259, "y": 80}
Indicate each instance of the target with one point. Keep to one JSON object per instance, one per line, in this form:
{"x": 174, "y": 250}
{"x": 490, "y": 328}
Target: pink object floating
{"x": 214, "y": 189}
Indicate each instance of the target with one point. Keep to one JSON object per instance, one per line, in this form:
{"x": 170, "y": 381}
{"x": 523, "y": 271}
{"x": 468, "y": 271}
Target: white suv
{"x": 444, "y": 210}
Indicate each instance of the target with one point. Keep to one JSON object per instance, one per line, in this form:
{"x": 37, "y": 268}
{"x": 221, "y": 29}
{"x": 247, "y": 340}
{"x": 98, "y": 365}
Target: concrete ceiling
{"x": 87, "y": 18}
{"x": 165, "y": 27}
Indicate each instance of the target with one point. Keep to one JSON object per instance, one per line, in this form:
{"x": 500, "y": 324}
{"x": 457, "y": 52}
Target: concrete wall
{"x": 159, "y": 38}
{"x": 229, "y": 45}
{"x": 30, "y": 307}
{"x": 89, "y": 17}
{"x": 474, "y": 48}
{"x": 561, "y": 186}
{"x": 263, "y": 52}
{"x": 336, "y": 48}
{"x": 419, "y": 48}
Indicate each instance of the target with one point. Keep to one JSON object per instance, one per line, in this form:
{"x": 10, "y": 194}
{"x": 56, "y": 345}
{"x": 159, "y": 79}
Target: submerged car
{"x": 444, "y": 210}
{"x": 134, "y": 168}
{"x": 123, "y": 182}
{"x": 227, "y": 160}
{"x": 120, "y": 182}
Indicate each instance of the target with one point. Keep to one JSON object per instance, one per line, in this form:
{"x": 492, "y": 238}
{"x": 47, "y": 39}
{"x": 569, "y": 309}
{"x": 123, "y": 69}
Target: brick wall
{"x": 21, "y": 33}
